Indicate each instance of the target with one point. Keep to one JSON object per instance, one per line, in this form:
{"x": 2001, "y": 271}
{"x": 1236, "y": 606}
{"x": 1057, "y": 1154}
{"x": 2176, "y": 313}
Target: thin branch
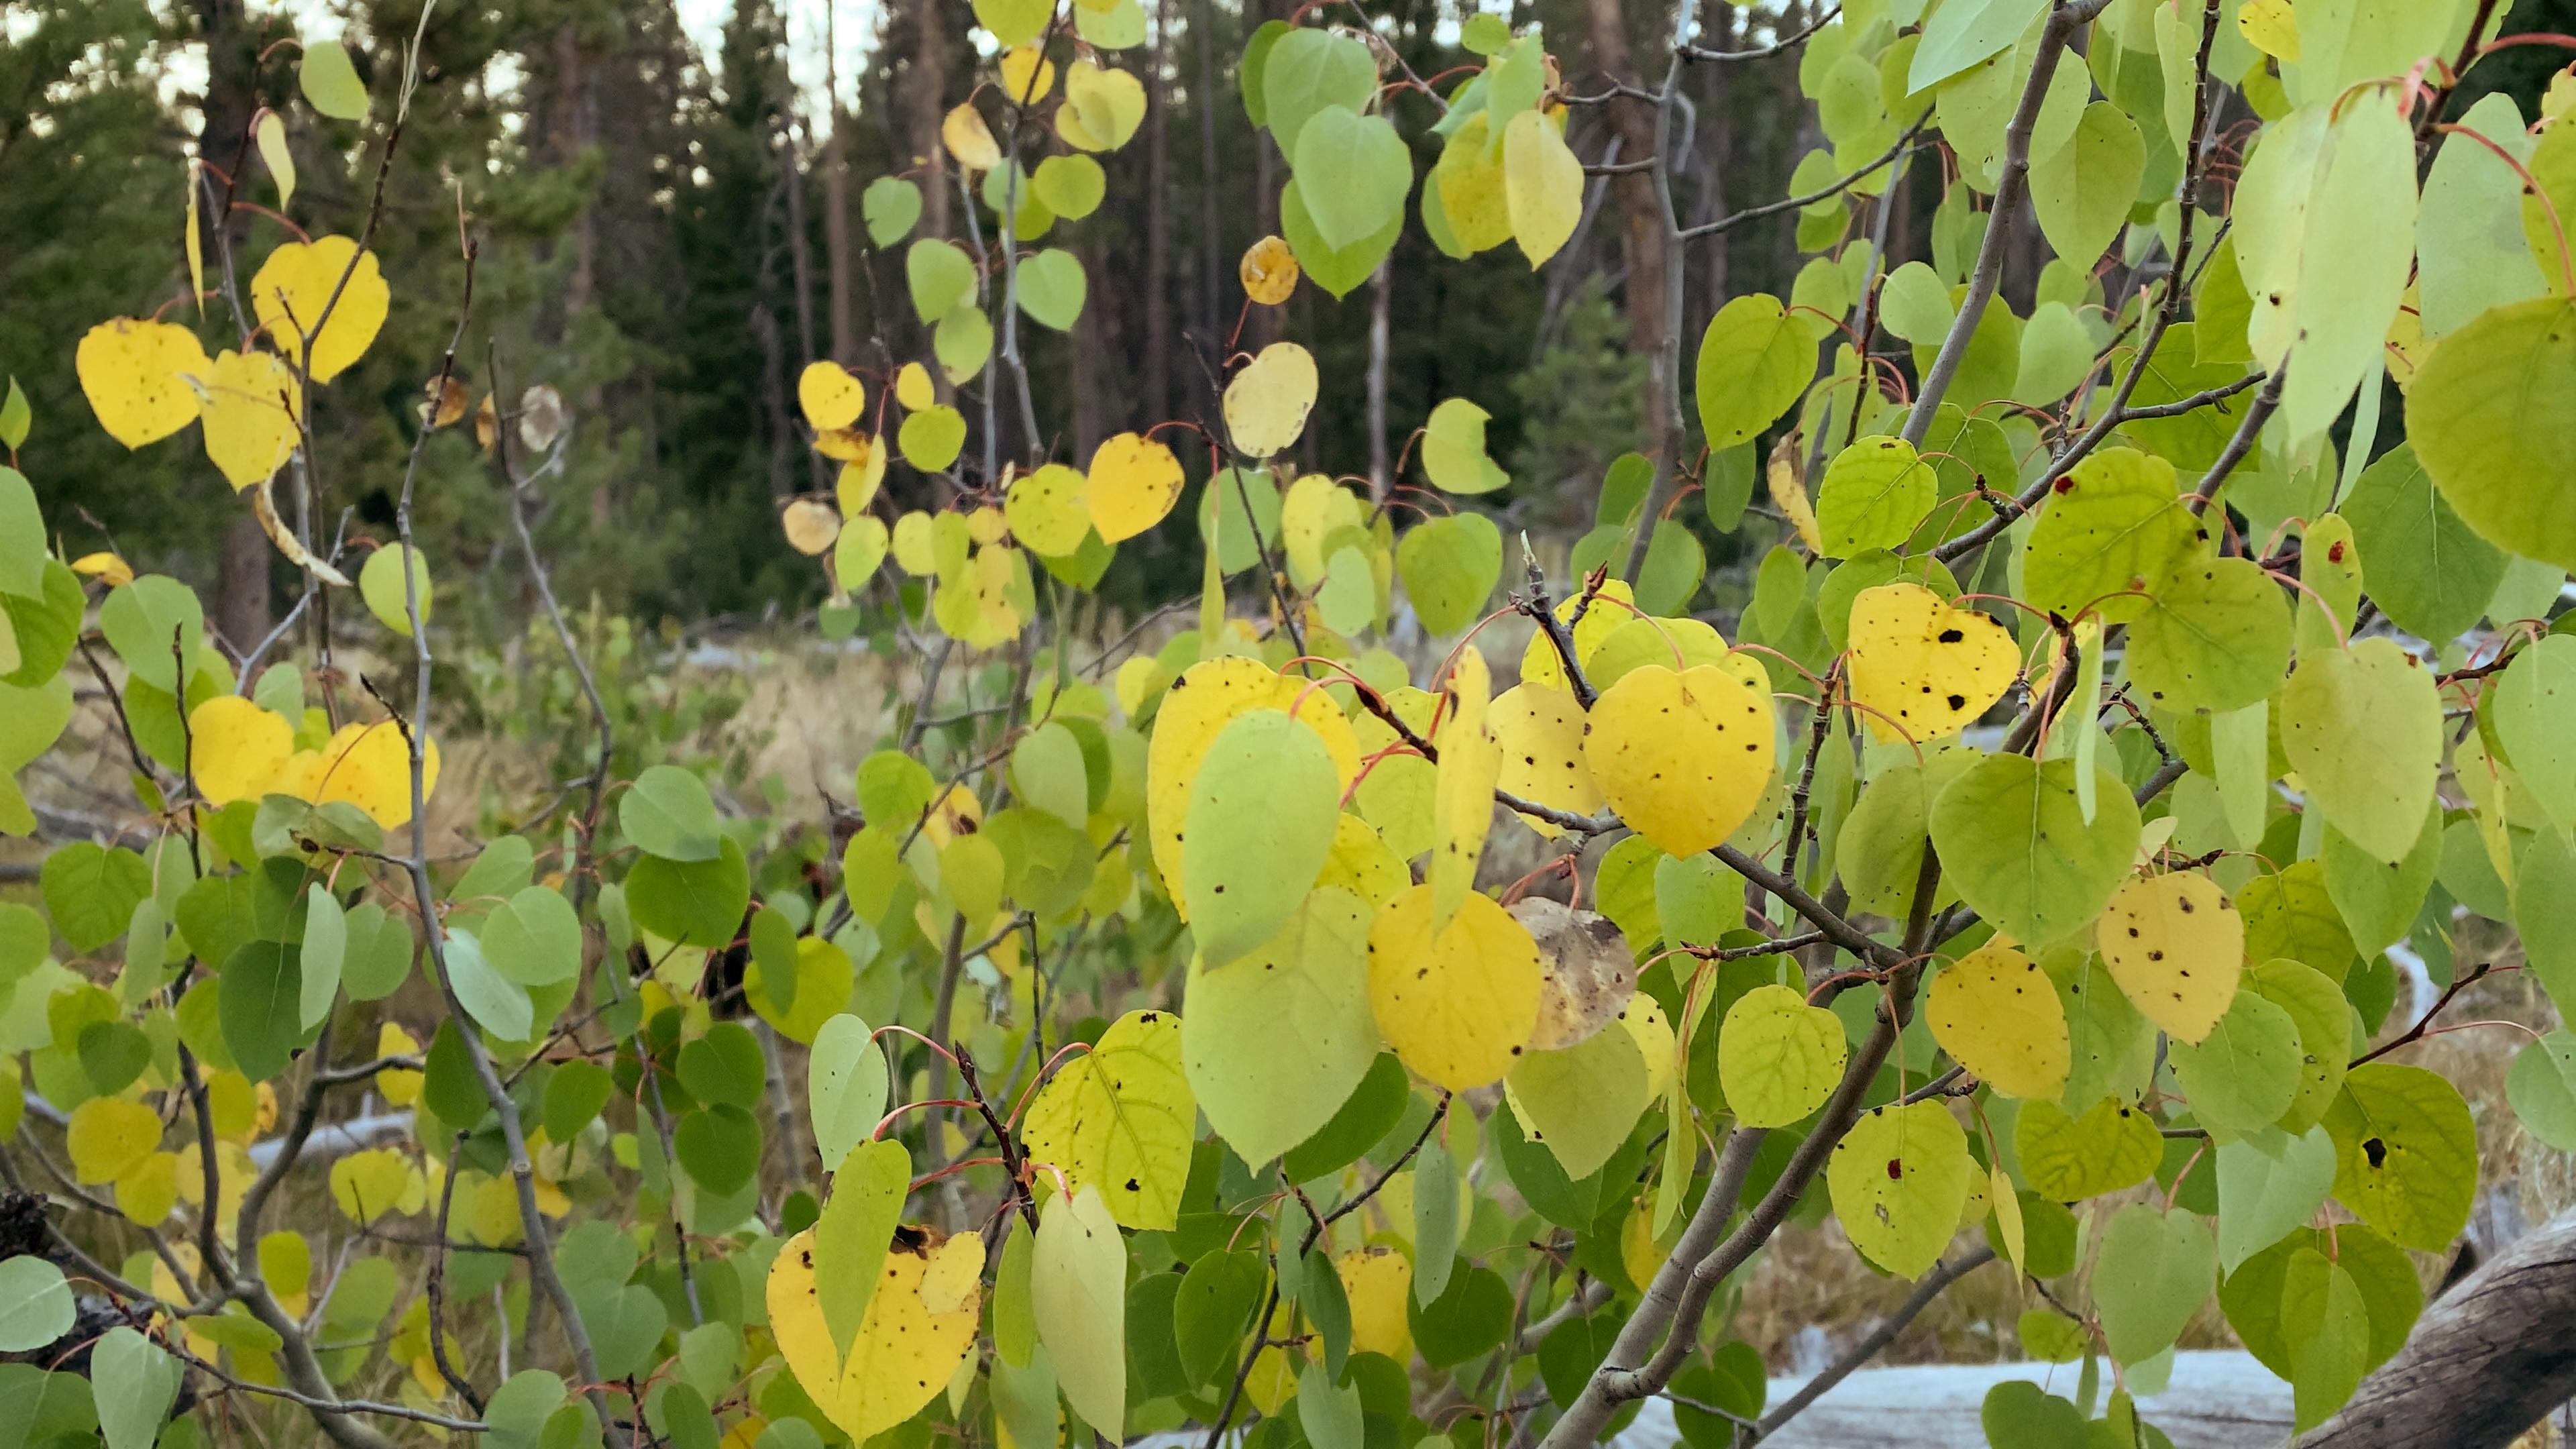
{"x": 1878, "y": 1338}
{"x": 1785, "y": 43}
{"x": 1885, "y": 159}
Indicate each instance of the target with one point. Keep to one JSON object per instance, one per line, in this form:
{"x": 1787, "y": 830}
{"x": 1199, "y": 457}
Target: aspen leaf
{"x": 36, "y": 1305}
{"x": 1453, "y": 449}
{"x": 1259, "y": 827}
{"x": 1078, "y": 1295}
{"x": 2111, "y": 1146}
{"x": 1587, "y": 976}
{"x": 141, "y": 378}
{"x": 1922, "y": 667}
{"x": 2272, "y": 27}
{"x": 270, "y": 134}
{"x": 2155, "y": 1269}
{"x": 1777, "y": 1057}
{"x": 1457, "y": 1003}
{"x": 969, "y": 140}
{"x": 1195, "y": 710}
{"x": 330, "y": 82}
{"x": 1684, "y": 757}
{"x": 1267, "y": 402}
{"x": 1472, "y": 194}
{"x": 1120, "y": 1118}
{"x": 1376, "y": 1281}
{"x": 905, "y": 1350}
{"x": 1581, "y": 1100}
{"x": 912, "y": 385}
{"x": 851, "y": 1237}
{"x": 857, "y": 550}
{"x": 1462, "y": 799}
{"x": 1788, "y": 491}
{"x": 1899, "y": 1180}
{"x": 931, "y": 437}
{"x": 2490, "y": 411}
{"x": 1998, "y": 1014}
{"x": 2406, "y": 1153}
{"x": 1357, "y": 172}
{"x": 1268, "y": 271}
{"x": 863, "y": 463}
{"x": 2013, "y": 838}
{"x": 2215, "y": 638}
{"x": 107, "y": 1136}
{"x": 1101, "y": 109}
{"x": 2244, "y": 1073}
{"x": 249, "y": 417}
{"x": 1539, "y": 731}
{"x": 237, "y": 748}
{"x": 1131, "y": 485}
{"x": 1754, "y": 362}
{"x": 293, "y": 293}
{"x": 1542, "y": 185}
{"x": 830, "y": 396}
{"x": 1275, "y": 1043}
{"x": 811, "y": 525}
{"x": 1027, "y": 75}
{"x": 2176, "y": 946}
{"x": 369, "y": 766}
{"x": 2363, "y": 727}
{"x": 1874, "y": 494}
{"x": 105, "y": 567}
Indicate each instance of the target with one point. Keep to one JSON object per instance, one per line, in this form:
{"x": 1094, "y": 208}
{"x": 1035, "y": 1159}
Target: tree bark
{"x": 1211, "y": 232}
{"x": 2486, "y": 1361}
{"x": 1643, "y": 238}
{"x": 1157, "y": 380}
{"x": 929, "y": 86}
{"x": 836, "y": 202}
{"x": 242, "y": 614}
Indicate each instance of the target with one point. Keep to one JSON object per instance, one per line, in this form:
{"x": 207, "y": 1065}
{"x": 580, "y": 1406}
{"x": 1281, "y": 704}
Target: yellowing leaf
{"x": 1362, "y": 863}
{"x": 1580, "y": 1101}
{"x": 1457, "y": 1004}
{"x": 1777, "y": 1057}
{"x": 236, "y": 748}
{"x": 271, "y": 135}
{"x": 931, "y": 437}
{"x": 862, "y": 469}
{"x": 369, "y": 1184}
{"x": 969, "y": 139}
{"x": 137, "y": 376}
{"x": 811, "y": 525}
{"x": 148, "y": 1190}
{"x": 1101, "y": 109}
{"x": 1540, "y": 732}
{"x": 1120, "y": 1118}
{"x": 294, "y": 293}
{"x": 2113, "y": 1145}
{"x": 1376, "y": 1281}
{"x": 1199, "y": 705}
{"x": 366, "y": 765}
{"x": 905, "y": 1350}
{"x": 1462, "y": 801}
{"x": 1789, "y": 493}
{"x": 1474, "y": 192}
{"x": 1923, "y": 668}
{"x": 1542, "y": 185}
{"x": 2272, "y": 27}
{"x": 1027, "y": 75}
{"x": 107, "y": 568}
{"x": 1133, "y": 483}
{"x": 1268, "y": 271}
{"x": 1998, "y": 1014}
{"x": 1683, "y": 758}
{"x": 397, "y": 1085}
{"x": 2176, "y": 945}
{"x": 913, "y": 387}
{"x": 1613, "y": 606}
{"x": 1078, "y": 1295}
{"x": 109, "y": 1136}
{"x": 1045, "y": 510}
{"x": 1267, "y": 402}
{"x": 1899, "y": 1180}
{"x": 830, "y": 396}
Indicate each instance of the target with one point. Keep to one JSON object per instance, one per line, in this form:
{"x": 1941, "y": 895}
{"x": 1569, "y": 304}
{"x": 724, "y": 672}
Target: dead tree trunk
{"x": 2488, "y": 1360}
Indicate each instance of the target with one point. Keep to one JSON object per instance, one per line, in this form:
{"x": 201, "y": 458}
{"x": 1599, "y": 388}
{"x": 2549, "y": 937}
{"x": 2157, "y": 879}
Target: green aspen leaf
{"x": 2267, "y": 1191}
{"x": 2083, "y": 190}
{"x": 1338, "y": 269}
{"x": 1777, "y": 1057}
{"x": 2363, "y": 727}
{"x": 1117, "y": 26}
{"x": 2112, "y": 1146}
{"x": 2216, "y": 637}
{"x": 2541, "y": 1086}
{"x": 1469, "y": 1319}
{"x": 2378, "y": 901}
{"x": 869, "y": 1184}
{"x": 2385, "y": 1274}
{"x": 2193, "y": 440}
{"x": 1014, "y": 22}
{"x": 2495, "y": 407}
{"x": 1962, "y": 33}
{"x": 1357, "y": 172}
{"x": 1273, "y": 1045}
{"x": 1238, "y": 493}
{"x": 1453, "y": 449}
{"x": 2466, "y": 263}
{"x": 2153, "y": 1271}
{"x": 2325, "y": 234}
{"x": 939, "y": 275}
{"x": 1450, "y": 567}
{"x": 1371, "y": 1111}
{"x": 1581, "y": 1101}
{"x": 1070, "y": 186}
{"x": 2344, "y": 41}
{"x": 1674, "y": 567}
{"x": 696, "y": 903}
{"x": 2290, "y": 914}
{"x": 2330, "y": 569}
{"x": 43, "y": 629}
{"x": 534, "y": 938}
{"x": 1899, "y": 1180}
{"x": 2426, "y": 570}
{"x": 2323, "y": 1015}
{"x": 1078, "y": 1296}
{"x": 2527, "y": 707}
{"x": 718, "y": 1147}
{"x": 1914, "y": 305}
{"x": 845, "y": 1085}
{"x": 262, "y": 986}
{"x": 152, "y": 624}
{"x": 2022, "y": 1415}
{"x": 1329, "y": 1414}
{"x": 330, "y": 82}
{"x": 147, "y": 1384}
{"x": 931, "y": 437}
{"x": 91, "y": 891}
{"x": 891, "y": 206}
{"x": 1754, "y": 363}
{"x": 1120, "y": 1117}
{"x": 112, "y": 1054}
{"x": 325, "y": 952}
{"x": 1435, "y": 1219}
{"x": 379, "y": 956}
{"x": 1048, "y": 771}
{"x": 1215, "y": 1304}
{"x": 2243, "y": 1075}
{"x": 2406, "y": 1153}
{"x": 2332, "y": 1342}
{"x": 575, "y": 1092}
{"x": 497, "y": 1004}
{"x": 35, "y": 1304}
{"x": 2014, "y": 839}
{"x": 2112, "y": 528}
{"x": 1258, "y": 829}
{"x": 32, "y": 719}
{"x": 1052, "y": 287}
{"x": 1348, "y": 599}
{"x": 388, "y": 595}
{"x": 1874, "y": 494}
{"x": 667, "y": 812}
{"x": 1307, "y": 71}
{"x": 15, "y": 418}
{"x": 2056, "y": 353}
{"x": 962, "y": 340}
{"x": 724, "y": 1066}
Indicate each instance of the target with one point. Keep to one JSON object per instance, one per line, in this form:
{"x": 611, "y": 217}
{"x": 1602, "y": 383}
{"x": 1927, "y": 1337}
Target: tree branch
{"x": 1877, "y": 1339}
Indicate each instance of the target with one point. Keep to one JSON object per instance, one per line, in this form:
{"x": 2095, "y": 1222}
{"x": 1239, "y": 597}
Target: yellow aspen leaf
{"x": 862, "y": 472}
{"x": 107, "y": 1136}
{"x": 1027, "y": 75}
{"x": 2005, "y": 1203}
{"x": 969, "y": 140}
{"x": 236, "y": 748}
{"x": 293, "y": 294}
{"x": 487, "y": 423}
{"x": 369, "y": 766}
{"x": 912, "y": 547}
{"x": 956, "y": 812}
{"x": 1922, "y": 667}
{"x": 397, "y": 1085}
{"x": 1899, "y": 1181}
{"x": 147, "y": 1191}
{"x": 1683, "y": 758}
{"x": 1267, "y": 402}
{"x": 1588, "y": 626}
{"x": 271, "y": 134}
{"x": 107, "y": 568}
{"x": 1542, "y": 185}
{"x": 1121, "y": 1118}
{"x": 1474, "y": 192}
{"x": 263, "y": 507}
{"x": 987, "y": 526}
{"x": 490, "y": 1210}
{"x": 1101, "y": 109}
{"x": 2176, "y": 945}
{"x": 1789, "y": 493}
{"x": 286, "y": 1263}
{"x": 1653, "y": 1032}
{"x": 1361, "y": 862}
{"x": 905, "y": 1350}
{"x": 141, "y": 378}
{"x": 1643, "y": 640}
{"x": 1540, "y": 732}
{"x": 2272, "y": 27}
{"x": 913, "y": 387}
{"x": 1997, "y": 1014}
{"x": 1045, "y": 510}
{"x": 249, "y": 416}
{"x": 1313, "y": 509}
{"x": 1457, "y": 1003}
{"x": 193, "y": 241}
{"x": 1641, "y": 1254}
{"x": 443, "y": 402}
{"x": 1377, "y": 1282}
{"x": 1462, "y": 799}
{"x": 1777, "y": 1057}
{"x": 231, "y": 1105}
{"x": 830, "y": 396}
{"x": 1268, "y": 271}
{"x": 1206, "y": 698}
{"x": 1587, "y": 975}
{"x": 1132, "y": 484}
{"x": 811, "y": 524}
